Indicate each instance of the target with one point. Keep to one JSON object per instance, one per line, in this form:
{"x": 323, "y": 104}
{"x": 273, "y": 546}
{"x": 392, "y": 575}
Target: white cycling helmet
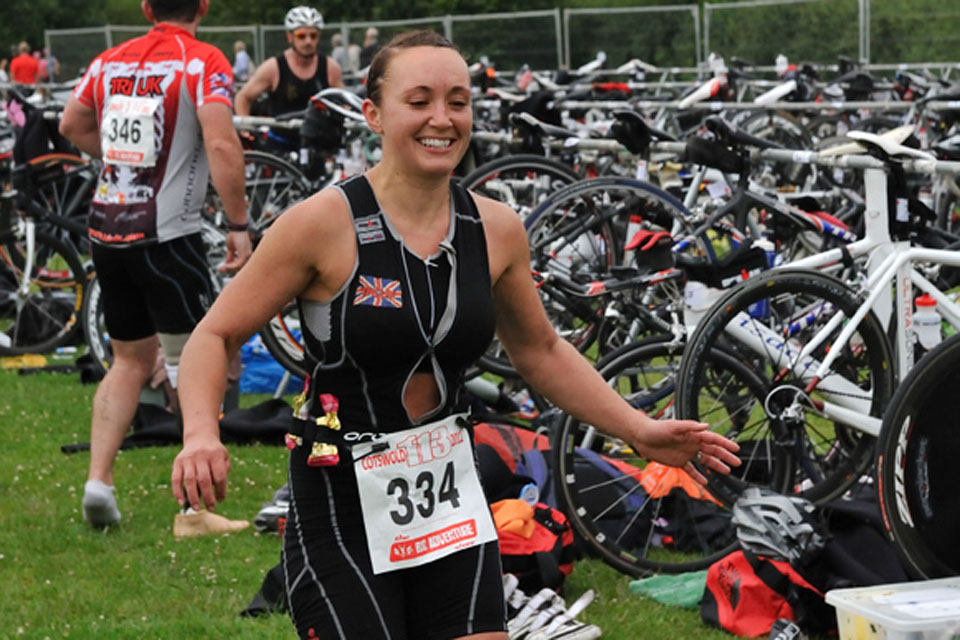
{"x": 303, "y": 17}
{"x": 776, "y": 526}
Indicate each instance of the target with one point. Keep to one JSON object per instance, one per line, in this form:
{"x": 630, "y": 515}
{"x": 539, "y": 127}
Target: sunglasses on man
{"x": 306, "y": 35}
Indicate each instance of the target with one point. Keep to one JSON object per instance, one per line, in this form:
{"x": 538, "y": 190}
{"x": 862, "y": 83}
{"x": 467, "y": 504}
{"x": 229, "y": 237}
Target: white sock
{"x": 100, "y": 504}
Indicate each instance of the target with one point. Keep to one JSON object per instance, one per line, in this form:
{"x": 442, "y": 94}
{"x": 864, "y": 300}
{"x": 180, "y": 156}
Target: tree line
{"x": 900, "y": 30}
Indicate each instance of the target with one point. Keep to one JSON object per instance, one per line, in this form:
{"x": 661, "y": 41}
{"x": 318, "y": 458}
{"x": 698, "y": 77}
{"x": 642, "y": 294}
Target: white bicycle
{"x": 821, "y": 345}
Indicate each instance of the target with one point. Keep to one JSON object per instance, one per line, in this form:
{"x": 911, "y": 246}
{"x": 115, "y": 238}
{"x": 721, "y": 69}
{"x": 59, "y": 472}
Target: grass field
{"x": 61, "y": 579}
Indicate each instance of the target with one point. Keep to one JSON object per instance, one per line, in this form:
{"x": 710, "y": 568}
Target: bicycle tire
{"x": 45, "y": 316}
{"x": 582, "y": 228}
{"x": 280, "y": 338}
{"x": 787, "y": 131}
{"x": 917, "y": 488}
{"x": 58, "y": 185}
{"x": 95, "y": 333}
{"x": 520, "y": 181}
{"x": 824, "y": 458}
{"x": 272, "y": 185}
{"x": 644, "y": 374}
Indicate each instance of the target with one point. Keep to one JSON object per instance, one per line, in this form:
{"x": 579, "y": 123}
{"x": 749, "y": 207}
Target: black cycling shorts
{"x": 333, "y": 592}
{"x": 155, "y": 288}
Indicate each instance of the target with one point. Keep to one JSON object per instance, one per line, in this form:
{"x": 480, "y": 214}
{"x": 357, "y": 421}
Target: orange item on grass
{"x": 658, "y": 479}
{"x": 515, "y": 516}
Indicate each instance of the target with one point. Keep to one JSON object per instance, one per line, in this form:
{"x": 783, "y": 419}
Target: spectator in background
{"x": 353, "y": 57}
{"x": 241, "y": 62}
{"x": 370, "y": 46}
{"x": 49, "y": 65}
{"x": 3, "y": 70}
{"x": 339, "y": 52}
{"x": 23, "y": 68}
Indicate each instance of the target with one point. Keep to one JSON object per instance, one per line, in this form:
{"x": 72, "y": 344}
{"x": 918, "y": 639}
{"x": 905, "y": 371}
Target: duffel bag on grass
{"x": 536, "y": 543}
{"x": 746, "y": 594}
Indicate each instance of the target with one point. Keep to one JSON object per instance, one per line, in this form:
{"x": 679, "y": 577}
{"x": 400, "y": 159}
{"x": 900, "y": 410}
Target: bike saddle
{"x": 730, "y": 133}
{"x": 948, "y": 148}
{"x": 635, "y": 133}
{"x": 530, "y": 123}
{"x": 887, "y": 147}
{"x": 347, "y": 104}
{"x": 898, "y": 135}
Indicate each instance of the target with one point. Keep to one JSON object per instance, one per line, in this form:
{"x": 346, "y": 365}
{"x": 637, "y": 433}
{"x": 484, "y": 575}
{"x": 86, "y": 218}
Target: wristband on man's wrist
{"x": 237, "y": 226}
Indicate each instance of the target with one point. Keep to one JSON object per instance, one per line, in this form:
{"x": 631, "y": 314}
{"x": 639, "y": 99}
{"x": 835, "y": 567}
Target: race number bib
{"x": 420, "y": 495}
{"x": 127, "y": 131}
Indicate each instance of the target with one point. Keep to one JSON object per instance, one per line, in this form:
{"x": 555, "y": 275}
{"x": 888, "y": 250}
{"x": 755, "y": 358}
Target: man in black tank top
{"x": 297, "y": 73}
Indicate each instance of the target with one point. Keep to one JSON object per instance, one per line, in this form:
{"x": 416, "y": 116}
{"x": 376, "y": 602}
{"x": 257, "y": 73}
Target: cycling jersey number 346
{"x": 127, "y": 131}
{"x": 420, "y": 495}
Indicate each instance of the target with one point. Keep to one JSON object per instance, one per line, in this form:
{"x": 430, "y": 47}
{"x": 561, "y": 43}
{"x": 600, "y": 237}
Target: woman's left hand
{"x": 680, "y": 443}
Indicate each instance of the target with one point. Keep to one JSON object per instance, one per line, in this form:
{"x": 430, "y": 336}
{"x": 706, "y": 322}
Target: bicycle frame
{"x": 896, "y": 267}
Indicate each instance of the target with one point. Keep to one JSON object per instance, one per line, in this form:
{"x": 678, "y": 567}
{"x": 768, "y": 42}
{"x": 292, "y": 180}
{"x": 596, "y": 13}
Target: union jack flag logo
{"x": 378, "y": 292}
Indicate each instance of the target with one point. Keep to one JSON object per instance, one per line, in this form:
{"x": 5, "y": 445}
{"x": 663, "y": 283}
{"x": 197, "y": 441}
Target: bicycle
{"x": 821, "y": 345}
{"x": 42, "y": 277}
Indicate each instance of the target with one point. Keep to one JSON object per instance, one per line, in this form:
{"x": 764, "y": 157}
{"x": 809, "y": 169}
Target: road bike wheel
{"x": 765, "y": 322}
{"x": 642, "y": 517}
{"x": 520, "y": 181}
{"x": 916, "y": 465}
{"x": 580, "y": 231}
{"x": 282, "y": 338}
{"x": 273, "y": 185}
{"x": 64, "y": 185}
{"x": 786, "y": 131}
{"x": 95, "y": 332}
{"x": 39, "y": 311}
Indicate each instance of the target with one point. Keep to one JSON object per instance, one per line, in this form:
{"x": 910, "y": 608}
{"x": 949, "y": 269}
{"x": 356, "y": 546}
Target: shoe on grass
{"x": 545, "y": 616}
{"x": 100, "y": 504}
{"x": 201, "y": 523}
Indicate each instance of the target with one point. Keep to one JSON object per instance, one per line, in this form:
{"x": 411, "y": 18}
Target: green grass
{"x": 62, "y": 579}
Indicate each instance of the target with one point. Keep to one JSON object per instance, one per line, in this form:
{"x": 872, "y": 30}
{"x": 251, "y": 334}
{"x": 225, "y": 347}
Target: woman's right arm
{"x": 299, "y": 246}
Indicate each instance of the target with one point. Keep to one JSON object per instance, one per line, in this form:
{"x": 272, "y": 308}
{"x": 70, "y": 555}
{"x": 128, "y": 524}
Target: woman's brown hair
{"x": 405, "y": 40}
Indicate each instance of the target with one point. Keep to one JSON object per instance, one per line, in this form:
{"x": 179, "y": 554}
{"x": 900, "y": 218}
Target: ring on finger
{"x": 699, "y": 457}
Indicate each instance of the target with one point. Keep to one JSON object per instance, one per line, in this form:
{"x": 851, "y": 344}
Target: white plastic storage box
{"x": 927, "y": 610}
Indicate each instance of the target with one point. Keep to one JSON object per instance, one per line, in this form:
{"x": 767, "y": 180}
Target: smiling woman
{"x": 401, "y": 277}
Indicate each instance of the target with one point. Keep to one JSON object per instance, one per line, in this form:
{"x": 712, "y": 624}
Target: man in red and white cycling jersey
{"x": 154, "y": 109}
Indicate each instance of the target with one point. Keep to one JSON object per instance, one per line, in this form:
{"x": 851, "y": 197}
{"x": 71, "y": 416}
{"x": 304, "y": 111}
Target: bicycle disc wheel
{"x": 39, "y": 310}
{"x": 642, "y": 517}
{"x": 766, "y": 322}
{"x": 916, "y": 465}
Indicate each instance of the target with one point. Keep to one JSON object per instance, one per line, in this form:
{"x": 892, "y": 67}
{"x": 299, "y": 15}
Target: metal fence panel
{"x": 274, "y": 39}
{"x": 75, "y": 48}
{"x": 666, "y": 36}
{"x": 913, "y": 31}
{"x": 389, "y": 28}
{"x": 224, "y": 38}
{"x": 758, "y": 30}
{"x": 510, "y": 40}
